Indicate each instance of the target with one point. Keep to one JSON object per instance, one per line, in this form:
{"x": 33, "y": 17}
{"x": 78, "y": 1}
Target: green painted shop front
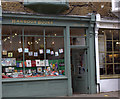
{"x": 77, "y": 33}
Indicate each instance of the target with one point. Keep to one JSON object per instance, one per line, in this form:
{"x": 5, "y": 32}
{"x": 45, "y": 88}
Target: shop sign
{"x": 14, "y": 21}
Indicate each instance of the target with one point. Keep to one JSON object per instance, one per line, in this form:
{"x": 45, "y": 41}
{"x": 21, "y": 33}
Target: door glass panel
{"x": 77, "y": 36}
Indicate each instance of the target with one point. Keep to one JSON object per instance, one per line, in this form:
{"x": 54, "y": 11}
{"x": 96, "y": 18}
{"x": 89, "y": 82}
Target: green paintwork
{"x": 47, "y": 7}
{"x": 64, "y": 86}
{"x": 35, "y": 88}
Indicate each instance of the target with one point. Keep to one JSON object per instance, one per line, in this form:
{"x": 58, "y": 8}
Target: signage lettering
{"x": 32, "y": 21}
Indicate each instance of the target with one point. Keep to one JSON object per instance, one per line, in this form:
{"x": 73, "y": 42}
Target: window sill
{"x": 34, "y": 79}
{"x": 109, "y": 76}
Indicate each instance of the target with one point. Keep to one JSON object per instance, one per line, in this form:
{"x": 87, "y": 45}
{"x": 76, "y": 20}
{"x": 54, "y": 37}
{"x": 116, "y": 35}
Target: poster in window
{"x": 28, "y": 63}
{"x": 38, "y": 63}
{"x": 8, "y": 62}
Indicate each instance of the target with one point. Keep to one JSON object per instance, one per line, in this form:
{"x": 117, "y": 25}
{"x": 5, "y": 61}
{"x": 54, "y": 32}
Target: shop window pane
{"x": 116, "y": 46}
{"x": 55, "y": 56}
{"x": 11, "y": 30}
{"x": 101, "y": 43}
{"x": 54, "y": 31}
{"x": 11, "y": 55}
{"x": 102, "y": 58}
{"x": 102, "y": 69}
{"x": 109, "y": 45}
{"x": 109, "y": 58}
{"x": 77, "y": 36}
{"x": 110, "y": 69}
{"x": 34, "y": 55}
{"x": 108, "y": 34}
{"x": 33, "y": 30}
{"x": 117, "y": 68}
{"x": 116, "y": 35}
{"x": 117, "y": 58}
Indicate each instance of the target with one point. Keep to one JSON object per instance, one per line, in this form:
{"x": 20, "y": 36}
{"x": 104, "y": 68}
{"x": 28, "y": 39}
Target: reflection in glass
{"x": 109, "y": 58}
{"x": 117, "y": 58}
{"x": 117, "y": 68}
{"x": 109, "y": 45}
{"x": 110, "y": 69}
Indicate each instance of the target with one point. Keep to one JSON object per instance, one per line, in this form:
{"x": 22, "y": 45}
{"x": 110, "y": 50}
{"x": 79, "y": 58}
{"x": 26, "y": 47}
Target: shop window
{"x": 109, "y": 51}
{"x": 77, "y": 36}
{"x": 32, "y": 52}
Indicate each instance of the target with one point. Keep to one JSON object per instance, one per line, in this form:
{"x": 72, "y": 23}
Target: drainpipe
{"x": 97, "y": 53}
{"x": 0, "y": 51}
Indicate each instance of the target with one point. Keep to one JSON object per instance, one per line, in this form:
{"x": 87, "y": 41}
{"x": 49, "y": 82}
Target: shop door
{"x": 79, "y": 71}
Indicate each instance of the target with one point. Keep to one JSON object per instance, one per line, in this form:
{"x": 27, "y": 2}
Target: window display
{"x": 36, "y": 52}
{"x": 109, "y": 52}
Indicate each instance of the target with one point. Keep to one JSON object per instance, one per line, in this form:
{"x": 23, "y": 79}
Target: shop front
{"x": 46, "y": 56}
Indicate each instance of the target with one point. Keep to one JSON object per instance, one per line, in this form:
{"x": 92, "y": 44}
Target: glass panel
{"x": 77, "y": 41}
{"x": 110, "y": 69}
{"x": 117, "y": 58}
{"x": 101, "y": 43}
{"x": 34, "y": 55}
{"x": 54, "y": 31}
{"x": 55, "y": 56}
{"x": 11, "y": 55}
{"x": 102, "y": 69}
{"x": 117, "y": 68}
{"x": 33, "y": 30}
{"x": 116, "y": 45}
{"x": 109, "y": 58}
{"x": 115, "y": 35}
{"x": 108, "y": 34}
{"x": 102, "y": 58}
{"x": 109, "y": 45}
{"x": 11, "y": 30}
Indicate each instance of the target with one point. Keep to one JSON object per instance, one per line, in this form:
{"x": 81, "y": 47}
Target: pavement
{"x": 105, "y": 94}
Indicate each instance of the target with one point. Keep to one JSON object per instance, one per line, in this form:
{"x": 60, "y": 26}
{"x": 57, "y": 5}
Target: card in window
{"x": 38, "y": 63}
{"x": 46, "y": 62}
{"x": 56, "y": 54}
{"x": 52, "y": 52}
{"x": 41, "y": 51}
{"x": 19, "y": 50}
{"x": 10, "y": 54}
{"x": 4, "y": 52}
{"x": 60, "y": 50}
{"x": 28, "y": 63}
{"x": 48, "y": 51}
{"x": 39, "y": 69}
{"x": 26, "y": 50}
{"x": 35, "y": 53}
{"x": 42, "y": 63}
{"x": 30, "y": 53}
